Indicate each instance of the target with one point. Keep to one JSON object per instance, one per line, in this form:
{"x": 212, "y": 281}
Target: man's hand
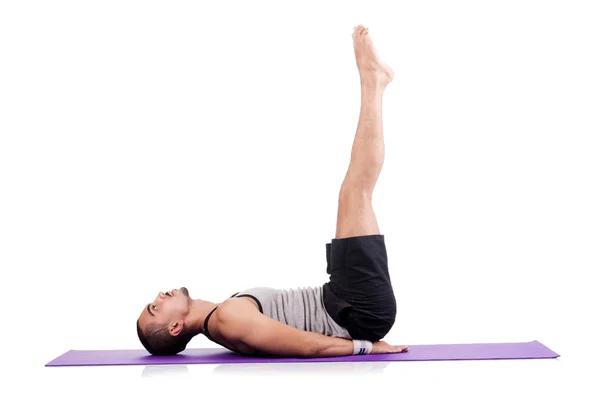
{"x": 382, "y": 347}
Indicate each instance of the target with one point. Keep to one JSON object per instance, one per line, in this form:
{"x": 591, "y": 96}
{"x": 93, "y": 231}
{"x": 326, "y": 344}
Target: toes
{"x": 359, "y": 30}
{"x": 361, "y": 33}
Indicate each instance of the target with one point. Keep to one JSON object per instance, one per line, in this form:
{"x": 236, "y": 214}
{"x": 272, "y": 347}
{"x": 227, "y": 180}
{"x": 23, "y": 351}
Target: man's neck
{"x": 199, "y": 310}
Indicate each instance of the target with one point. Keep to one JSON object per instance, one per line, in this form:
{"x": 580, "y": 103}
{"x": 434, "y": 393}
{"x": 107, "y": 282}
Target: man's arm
{"x": 276, "y": 338}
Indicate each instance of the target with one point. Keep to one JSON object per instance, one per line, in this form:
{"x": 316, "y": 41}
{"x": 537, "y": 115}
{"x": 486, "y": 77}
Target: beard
{"x": 184, "y": 291}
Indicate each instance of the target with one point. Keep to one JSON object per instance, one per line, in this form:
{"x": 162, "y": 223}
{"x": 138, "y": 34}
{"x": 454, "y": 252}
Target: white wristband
{"x": 362, "y": 347}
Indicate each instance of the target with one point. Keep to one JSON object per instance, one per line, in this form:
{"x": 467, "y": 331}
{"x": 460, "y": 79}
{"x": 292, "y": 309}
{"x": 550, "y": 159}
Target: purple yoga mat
{"x": 472, "y": 351}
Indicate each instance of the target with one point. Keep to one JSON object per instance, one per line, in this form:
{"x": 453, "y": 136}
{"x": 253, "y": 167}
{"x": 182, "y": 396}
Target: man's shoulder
{"x": 236, "y": 308}
{"x": 235, "y": 316}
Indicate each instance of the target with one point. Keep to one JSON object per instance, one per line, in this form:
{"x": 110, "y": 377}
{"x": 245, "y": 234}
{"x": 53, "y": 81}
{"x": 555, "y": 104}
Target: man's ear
{"x": 176, "y": 327}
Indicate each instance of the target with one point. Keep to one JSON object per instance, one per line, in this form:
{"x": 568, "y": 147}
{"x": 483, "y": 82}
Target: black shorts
{"x": 359, "y": 294}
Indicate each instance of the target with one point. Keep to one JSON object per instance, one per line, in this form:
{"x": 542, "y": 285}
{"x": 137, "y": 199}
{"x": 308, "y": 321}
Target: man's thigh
{"x": 356, "y": 216}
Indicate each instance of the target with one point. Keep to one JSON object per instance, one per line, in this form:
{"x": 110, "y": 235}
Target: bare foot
{"x": 370, "y": 67}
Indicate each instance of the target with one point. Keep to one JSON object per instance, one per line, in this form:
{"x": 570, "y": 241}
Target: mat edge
{"x": 49, "y": 363}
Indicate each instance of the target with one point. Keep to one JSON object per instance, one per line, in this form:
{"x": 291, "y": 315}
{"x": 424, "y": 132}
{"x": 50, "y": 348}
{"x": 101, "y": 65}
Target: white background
{"x": 150, "y": 145}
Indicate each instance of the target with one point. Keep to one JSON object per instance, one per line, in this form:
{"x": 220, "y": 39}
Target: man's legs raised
{"x": 355, "y": 211}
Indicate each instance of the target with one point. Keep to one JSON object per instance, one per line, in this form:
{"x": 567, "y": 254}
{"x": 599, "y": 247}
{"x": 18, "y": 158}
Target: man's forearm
{"x": 327, "y": 346}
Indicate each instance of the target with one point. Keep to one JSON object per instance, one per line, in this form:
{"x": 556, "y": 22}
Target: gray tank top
{"x": 301, "y": 308}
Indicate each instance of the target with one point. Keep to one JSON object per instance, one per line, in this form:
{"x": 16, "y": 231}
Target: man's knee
{"x": 362, "y": 177}
{"x": 355, "y": 188}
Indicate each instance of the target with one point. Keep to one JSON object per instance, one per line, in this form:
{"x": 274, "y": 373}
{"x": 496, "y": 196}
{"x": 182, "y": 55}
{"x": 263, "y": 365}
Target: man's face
{"x": 167, "y": 308}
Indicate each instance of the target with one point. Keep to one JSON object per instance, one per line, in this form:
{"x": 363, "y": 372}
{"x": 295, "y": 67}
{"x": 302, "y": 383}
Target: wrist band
{"x": 362, "y": 347}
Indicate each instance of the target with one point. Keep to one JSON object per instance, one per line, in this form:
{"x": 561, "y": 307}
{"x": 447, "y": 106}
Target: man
{"x": 350, "y": 313}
